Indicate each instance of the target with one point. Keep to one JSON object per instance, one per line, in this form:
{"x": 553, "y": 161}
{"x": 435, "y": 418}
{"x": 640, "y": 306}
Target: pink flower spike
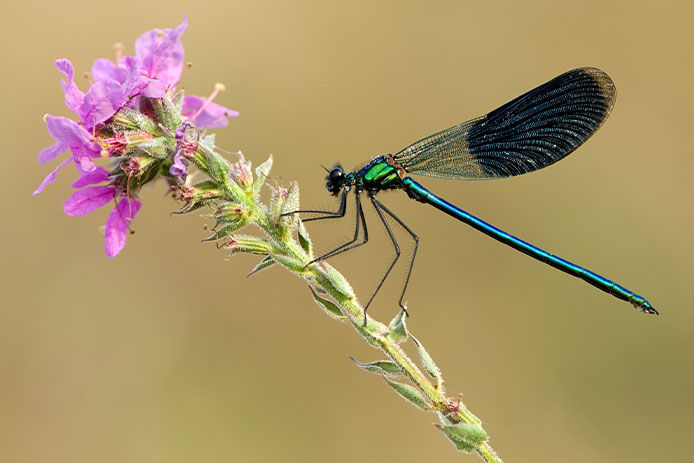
{"x": 98, "y": 175}
{"x": 162, "y": 57}
{"x": 73, "y": 96}
{"x": 84, "y": 201}
{"x": 117, "y": 225}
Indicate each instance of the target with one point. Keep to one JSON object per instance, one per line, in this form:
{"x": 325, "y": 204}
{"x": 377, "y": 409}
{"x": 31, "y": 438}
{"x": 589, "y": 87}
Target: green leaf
{"x": 130, "y": 119}
{"x": 267, "y": 261}
{"x": 293, "y": 264}
{"x": 205, "y": 185}
{"x": 339, "y": 281}
{"x": 304, "y": 239}
{"x": 226, "y": 231}
{"x": 159, "y": 147}
{"x": 290, "y": 204}
{"x": 398, "y": 330}
{"x": 207, "y": 142}
{"x": 261, "y": 173}
{"x": 379, "y": 367}
{"x": 410, "y": 394}
{"x": 167, "y": 113}
{"x": 249, "y": 244}
{"x": 328, "y": 306}
{"x": 428, "y": 362}
{"x": 277, "y": 197}
{"x": 218, "y": 167}
{"x": 189, "y": 207}
{"x": 465, "y": 436}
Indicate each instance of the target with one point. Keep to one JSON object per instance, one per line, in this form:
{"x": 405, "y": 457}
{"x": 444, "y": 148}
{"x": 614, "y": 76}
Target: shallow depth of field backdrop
{"x": 167, "y": 353}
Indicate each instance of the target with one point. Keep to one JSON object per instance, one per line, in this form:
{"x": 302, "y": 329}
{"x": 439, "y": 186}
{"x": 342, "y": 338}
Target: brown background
{"x": 169, "y": 354}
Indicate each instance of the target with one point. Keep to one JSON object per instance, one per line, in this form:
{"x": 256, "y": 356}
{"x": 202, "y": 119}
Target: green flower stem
{"x": 239, "y": 205}
{"x": 377, "y": 334}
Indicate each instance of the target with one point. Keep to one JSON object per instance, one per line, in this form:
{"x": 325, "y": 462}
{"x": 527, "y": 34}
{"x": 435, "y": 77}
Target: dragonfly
{"x": 526, "y": 134}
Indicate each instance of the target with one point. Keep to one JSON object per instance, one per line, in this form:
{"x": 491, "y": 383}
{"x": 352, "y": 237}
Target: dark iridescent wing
{"x": 531, "y": 132}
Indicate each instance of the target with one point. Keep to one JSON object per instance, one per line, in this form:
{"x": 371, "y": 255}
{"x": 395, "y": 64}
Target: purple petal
{"x": 101, "y": 102}
{"x": 178, "y": 168}
{"x": 73, "y": 95}
{"x": 104, "y": 69}
{"x": 76, "y": 138}
{"x": 69, "y": 132}
{"x": 162, "y": 58}
{"x": 48, "y": 154}
{"x": 117, "y": 225}
{"x": 50, "y": 178}
{"x": 132, "y": 81}
{"x": 88, "y": 199}
{"x": 153, "y": 88}
{"x": 98, "y": 175}
{"x": 212, "y": 117}
{"x": 83, "y": 163}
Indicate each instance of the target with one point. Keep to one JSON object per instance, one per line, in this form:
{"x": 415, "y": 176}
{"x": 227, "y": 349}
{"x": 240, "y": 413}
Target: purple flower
{"x": 160, "y": 55}
{"x": 105, "y": 96}
{"x": 179, "y": 168}
{"x": 90, "y": 198}
{"x": 187, "y": 137}
{"x": 120, "y": 118}
{"x": 205, "y": 113}
{"x": 68, "y": 135}
{"x": 118, "y": 225}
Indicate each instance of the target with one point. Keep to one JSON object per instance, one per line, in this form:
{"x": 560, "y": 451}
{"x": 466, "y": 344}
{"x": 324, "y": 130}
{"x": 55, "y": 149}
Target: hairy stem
{"x": 235, "y": 202}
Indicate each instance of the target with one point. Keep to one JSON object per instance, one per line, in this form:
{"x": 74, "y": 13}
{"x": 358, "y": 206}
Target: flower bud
{"x": 241, "y": 172}
{"x": 248, "y": 244}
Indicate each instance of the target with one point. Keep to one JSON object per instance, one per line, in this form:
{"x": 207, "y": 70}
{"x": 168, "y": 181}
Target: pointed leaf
{"x": 208, "y": 142}
{"x": 410, "y": 394}
{"x": 428, "y": 362}
{"x": 304, "y": 239}
{"x": 261, "y": 173}
{"x": 218, "y": 167}
{"x": 189, "y": 207}
{"x": 379, "y": 367}
{"x": 465, "y": 436}
{"x": 262, "y": 265}
{"x": 328, "y": 306}
{"x": 277, "y": 198}
{"x": 339, "y": 281}
{"x": 290, "y": 204}
{"x": 249, "y": 244}
{"x": 398, "y": 330}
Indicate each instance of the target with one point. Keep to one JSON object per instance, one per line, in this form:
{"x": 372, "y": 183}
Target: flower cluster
{"x": 133, "y": 118}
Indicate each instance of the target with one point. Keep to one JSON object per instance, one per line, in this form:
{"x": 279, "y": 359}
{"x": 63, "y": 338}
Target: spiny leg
{"x": 328, "y": 214}
{"x": 414, "y": 251}
{"x": 350, "y": 244}
{"x": 377, "y": 206}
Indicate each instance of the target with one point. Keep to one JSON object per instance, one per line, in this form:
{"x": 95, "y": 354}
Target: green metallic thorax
{"x": 378, "y": 175}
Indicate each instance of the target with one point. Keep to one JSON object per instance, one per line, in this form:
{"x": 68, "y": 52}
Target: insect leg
{"x": 414, "y": 251}
{"x": 377, "y": 206}
{"x": 350, "y": 244}
{"x": 326, "y": 214}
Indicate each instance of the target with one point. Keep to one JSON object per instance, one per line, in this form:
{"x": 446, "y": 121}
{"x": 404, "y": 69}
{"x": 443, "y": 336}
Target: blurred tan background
{"x": 169, "y": 354}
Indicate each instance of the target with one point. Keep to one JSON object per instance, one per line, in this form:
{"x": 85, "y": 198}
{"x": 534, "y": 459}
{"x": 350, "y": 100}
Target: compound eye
{"x": 335, "y": 175}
